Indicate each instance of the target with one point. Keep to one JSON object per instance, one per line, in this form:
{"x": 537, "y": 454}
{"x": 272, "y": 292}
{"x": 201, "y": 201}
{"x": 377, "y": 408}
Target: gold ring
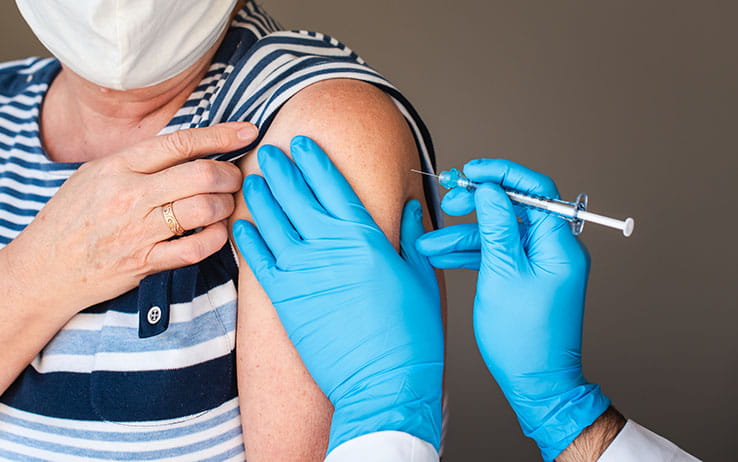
{"x": 171, "y": 220}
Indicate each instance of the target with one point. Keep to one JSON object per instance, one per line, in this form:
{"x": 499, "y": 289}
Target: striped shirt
{"x": 150, "y": 375}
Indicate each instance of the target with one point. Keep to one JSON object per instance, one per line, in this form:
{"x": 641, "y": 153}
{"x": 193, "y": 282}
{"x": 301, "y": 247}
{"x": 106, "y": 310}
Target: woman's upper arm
{"x": 365, "y": 135}
{"x": 285, "y": 416}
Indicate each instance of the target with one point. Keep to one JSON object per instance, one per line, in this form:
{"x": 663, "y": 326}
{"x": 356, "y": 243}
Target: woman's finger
{"x": 192, "y": 178}
{"x": 192, "y": 212}
{"x": 161, "y": 152}
{"x": 187, "y": 250}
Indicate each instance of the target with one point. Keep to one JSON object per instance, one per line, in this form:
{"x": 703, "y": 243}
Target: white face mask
{"x": 126, "y": 44}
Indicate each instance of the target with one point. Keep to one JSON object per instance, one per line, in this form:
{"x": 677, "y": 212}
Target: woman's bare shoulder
{"x": 364, "y": 133}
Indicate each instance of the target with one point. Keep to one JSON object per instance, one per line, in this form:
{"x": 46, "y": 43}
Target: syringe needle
{"x": 423, "y": 173}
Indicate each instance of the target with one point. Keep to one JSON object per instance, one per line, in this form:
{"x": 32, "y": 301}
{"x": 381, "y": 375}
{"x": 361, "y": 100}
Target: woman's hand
{"x": 104, "y": 231}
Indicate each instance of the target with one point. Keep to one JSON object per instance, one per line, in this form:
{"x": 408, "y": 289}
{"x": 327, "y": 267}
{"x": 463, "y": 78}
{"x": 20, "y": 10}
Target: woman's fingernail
{"x": 247, "y": 133}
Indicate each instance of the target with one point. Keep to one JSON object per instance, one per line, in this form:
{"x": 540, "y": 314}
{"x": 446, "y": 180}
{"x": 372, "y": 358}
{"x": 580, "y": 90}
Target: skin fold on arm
{"x": 285, "y": 416}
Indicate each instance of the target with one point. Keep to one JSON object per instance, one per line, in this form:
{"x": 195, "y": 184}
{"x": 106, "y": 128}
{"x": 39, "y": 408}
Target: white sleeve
{"x": 386, "y": 446}
{"x": 637, "y": 444}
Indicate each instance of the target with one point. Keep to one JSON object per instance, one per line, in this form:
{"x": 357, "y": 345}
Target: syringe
{"x": 574, "y": 212}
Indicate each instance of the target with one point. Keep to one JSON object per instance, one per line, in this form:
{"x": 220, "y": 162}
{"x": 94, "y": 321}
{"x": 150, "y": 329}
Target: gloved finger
{"x": 457, "y": 202}
{"x": 411, "y": 228}
{"x": 292, "y": 192}
{"x": 327, "y": 182}
{"x": 456, "y": 238}
{"x": 502, "y": 250}
{"x": 254, "y": 249}
{"x": 276, "y": 230}
{"x": 550, "y": 242}
{"x": 511, "y": 175}
{"x": 457, "y": 260}
{"x": 542, "y": 233}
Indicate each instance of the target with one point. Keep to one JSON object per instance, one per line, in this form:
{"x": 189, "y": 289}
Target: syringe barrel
{"x": 564, "y": 210}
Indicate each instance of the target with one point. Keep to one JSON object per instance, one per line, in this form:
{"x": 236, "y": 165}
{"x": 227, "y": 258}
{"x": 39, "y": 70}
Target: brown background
{"x": 633, "y": 102}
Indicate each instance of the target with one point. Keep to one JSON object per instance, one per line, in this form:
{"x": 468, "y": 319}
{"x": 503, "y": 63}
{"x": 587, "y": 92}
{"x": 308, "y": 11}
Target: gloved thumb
{"x": 411, "y": 229}
{"x": 502, "y": 249}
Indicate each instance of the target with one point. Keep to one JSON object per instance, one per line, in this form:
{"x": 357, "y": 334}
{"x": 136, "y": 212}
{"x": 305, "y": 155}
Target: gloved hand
{"x": 365, "y": 320}
{"x": 530, "y": 299}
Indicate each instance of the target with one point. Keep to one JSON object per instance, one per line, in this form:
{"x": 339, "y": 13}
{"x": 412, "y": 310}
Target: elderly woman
{"x": 119, "y": 308}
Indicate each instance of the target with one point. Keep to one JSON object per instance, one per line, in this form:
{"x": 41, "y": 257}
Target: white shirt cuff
{"x": 386, "y": 446}
{"x": 637, "y": 444}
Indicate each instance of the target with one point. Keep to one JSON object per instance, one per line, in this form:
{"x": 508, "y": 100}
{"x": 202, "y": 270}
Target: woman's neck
{"x": 81, "y": 121}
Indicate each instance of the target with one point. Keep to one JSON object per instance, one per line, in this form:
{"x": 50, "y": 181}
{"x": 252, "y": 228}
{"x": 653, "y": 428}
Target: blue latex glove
{"x": 365, "y": 320}
{"x": 530, "y": 299}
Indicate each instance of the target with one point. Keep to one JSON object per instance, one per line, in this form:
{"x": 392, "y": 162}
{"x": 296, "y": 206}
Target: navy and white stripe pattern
{"x": 116, "y": 383}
